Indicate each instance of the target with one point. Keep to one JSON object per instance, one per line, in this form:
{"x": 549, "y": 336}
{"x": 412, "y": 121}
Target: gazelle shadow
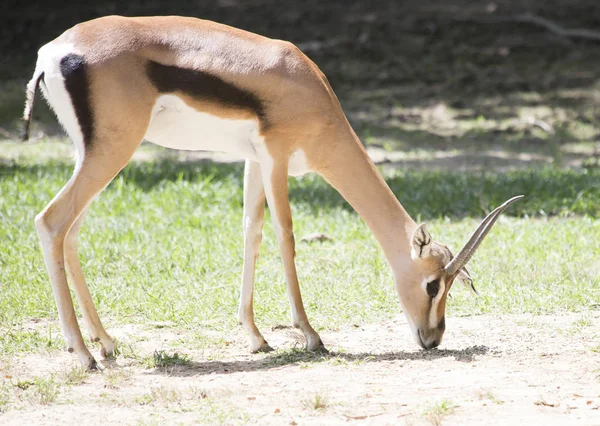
{"x": 296, "y": 356}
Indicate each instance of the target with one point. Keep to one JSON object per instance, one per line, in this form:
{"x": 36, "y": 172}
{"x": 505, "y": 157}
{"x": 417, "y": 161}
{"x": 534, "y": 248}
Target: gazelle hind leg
{"x": 106, "y": 115}
{"x": 88, "y": 311}
{"x": 56, "y": 220}
{"x": 254, "y": 212}
{"x": 275, "y": 181}
{"x": 52, "y": 225}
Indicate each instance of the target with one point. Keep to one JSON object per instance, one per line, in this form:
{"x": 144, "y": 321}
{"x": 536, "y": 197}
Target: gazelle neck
{"x": 353, "y": 174}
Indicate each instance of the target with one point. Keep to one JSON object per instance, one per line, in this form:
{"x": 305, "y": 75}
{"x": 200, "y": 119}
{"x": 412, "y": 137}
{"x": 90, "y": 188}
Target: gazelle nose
{"x": 434, "y": 344}
{"x": 429, "y": 340}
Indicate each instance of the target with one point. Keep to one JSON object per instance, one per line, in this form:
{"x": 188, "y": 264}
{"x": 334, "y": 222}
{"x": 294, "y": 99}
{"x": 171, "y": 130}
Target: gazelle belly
{"x": 176, "y": 125}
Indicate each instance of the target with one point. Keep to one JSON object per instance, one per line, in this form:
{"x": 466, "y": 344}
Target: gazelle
{"x": 191, "y": 84}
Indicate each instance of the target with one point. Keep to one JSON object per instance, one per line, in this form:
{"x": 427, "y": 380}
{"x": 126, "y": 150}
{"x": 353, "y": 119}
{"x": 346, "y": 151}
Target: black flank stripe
{"x": 204, "y": 86}
{"x": 74, "y": 71}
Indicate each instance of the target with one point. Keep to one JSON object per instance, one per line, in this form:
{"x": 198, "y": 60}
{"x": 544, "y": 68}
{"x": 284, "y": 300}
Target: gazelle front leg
{"x": 254, "y": 212}
{"x": 88, "y": 311}
{"x": 275, "y": 181}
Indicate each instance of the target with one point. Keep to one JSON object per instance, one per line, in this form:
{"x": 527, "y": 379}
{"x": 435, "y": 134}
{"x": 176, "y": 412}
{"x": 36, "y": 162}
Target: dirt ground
{"x": 488, "y": 370}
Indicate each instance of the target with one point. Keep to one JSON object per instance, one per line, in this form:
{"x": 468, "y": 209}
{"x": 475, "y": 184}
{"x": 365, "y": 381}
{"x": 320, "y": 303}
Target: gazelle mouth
{"x": 434, "y": 344}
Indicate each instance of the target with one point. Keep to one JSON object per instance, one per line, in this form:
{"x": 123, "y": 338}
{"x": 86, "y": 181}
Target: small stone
{"x": 315, "y": 237}
{"x": 162, "y": 324}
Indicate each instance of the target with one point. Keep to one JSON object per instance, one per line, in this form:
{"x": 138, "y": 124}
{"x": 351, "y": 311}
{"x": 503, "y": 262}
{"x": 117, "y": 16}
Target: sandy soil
{"x": 489, "y": 370}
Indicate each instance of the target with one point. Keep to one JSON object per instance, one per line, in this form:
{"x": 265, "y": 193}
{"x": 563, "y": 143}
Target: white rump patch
{"x": 54, "y": 90}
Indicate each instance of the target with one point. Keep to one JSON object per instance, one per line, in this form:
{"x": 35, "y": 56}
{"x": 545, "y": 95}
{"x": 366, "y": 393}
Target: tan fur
{"x": 301, "y": 111}
{"x": 254, "y": 211}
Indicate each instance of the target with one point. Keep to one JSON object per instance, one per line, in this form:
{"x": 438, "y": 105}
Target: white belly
{"x": 176, "y": 125}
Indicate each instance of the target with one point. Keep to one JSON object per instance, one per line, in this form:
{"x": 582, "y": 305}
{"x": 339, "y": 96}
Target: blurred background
{"x": 458, "y": 84}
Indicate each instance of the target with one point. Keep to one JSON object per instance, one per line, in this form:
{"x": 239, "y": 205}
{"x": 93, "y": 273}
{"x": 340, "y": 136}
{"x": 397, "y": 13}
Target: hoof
{"x": 264, "y": 348}
{"x": 92, "y": 365}
{"x": 320, "y": 349}
{"x": 109, "y": 353}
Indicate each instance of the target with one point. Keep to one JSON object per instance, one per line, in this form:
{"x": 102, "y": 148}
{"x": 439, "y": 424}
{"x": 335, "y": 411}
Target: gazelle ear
{"x": 421, "y": 243}
{"x": 465, "y": 279}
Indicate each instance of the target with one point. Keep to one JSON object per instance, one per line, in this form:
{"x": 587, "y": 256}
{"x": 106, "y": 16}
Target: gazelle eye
{"x": 433, "y": 287}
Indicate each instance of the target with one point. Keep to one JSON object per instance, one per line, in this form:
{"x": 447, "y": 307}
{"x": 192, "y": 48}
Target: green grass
{"x": 14, "y": 339}
{"x": 160, "y": 394}
{"x": 316, "y": 402}
{"x": 5, "y": 395}
{"x": 114, "y": 378}
{"x": 295, "y": 355}
{"x": 435, "y": 414}
{"x": 45, "y": 390}
{"x": 163, "y": 359}
{"x": 164, "y": 243}
{"x": 75, "y": 376}
{"x": 487, "y": 394}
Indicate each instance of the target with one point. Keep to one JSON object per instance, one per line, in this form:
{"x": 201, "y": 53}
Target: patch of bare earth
{"x": 488, "y": 370}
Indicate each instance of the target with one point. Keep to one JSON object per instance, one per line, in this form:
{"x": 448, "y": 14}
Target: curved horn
{"x": 464, "y": 255}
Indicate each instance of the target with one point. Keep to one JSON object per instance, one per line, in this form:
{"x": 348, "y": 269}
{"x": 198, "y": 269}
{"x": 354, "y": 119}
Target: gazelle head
{"x": 432, "y": 270}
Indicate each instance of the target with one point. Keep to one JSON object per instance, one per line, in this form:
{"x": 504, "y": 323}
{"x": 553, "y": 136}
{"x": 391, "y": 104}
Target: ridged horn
{"x": 464, "y": 255}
